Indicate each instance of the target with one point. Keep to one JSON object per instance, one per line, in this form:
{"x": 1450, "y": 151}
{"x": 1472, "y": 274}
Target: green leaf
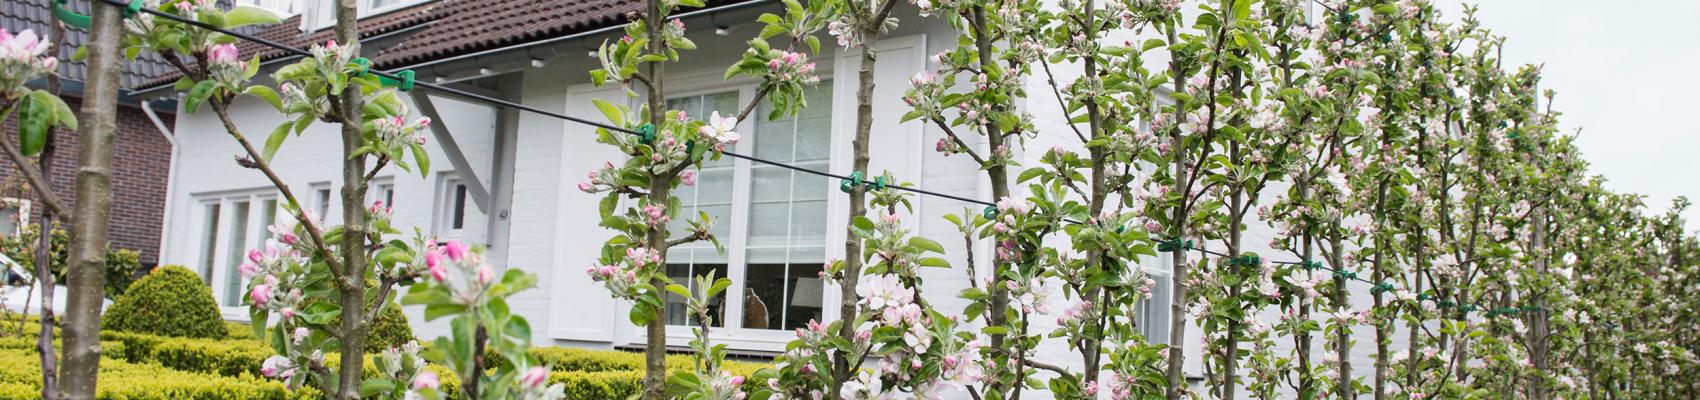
{"x": 375, "y": 386}
{"x": 421, "y": 159}
{"x": 197, "y": 95}
{"x": 265, "y": 93}
{"x": 275, "y": 141}
{"x": 245, "y": 15}
{"x": 926, "y": 244}
{"x": 34, "y": 124}
{"x": 612, "y": 112}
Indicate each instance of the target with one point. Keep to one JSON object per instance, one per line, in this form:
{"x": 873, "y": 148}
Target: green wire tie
{"x": 404, "y": 83}
{"x": 852, "y": 182}
{"x": 855, "y": 180}
{"x": 1174, "y": 245}
{"x": 1531, "y": 308}
{"x": 1443, "y": 304}
{"x": 1249, "y": 260}
{"x": 1382, "y": 287}
{"x": 1467, "y": 308}
{"x": 74, "y": 19}
{"x": 991, "y": 212}
{"x": 1310, "y": 265}
{"x": 646, "y": 134}
{"x": 1345, "y": 274}
{"x": 1422, "y": 296}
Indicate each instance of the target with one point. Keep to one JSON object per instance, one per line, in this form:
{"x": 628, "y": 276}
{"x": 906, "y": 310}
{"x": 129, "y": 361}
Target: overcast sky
{"x": 1627, "y": 73}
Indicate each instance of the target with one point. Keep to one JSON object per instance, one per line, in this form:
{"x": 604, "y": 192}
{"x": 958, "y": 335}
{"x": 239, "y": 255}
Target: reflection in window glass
{"x": 786, "y": 245}
{"x": 713, "y": 195}
{"x": 234, "y": 253}
{"x": 209, "y": 240}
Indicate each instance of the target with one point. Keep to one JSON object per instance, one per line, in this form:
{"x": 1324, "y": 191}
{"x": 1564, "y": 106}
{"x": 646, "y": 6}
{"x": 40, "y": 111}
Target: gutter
{"x": 138, "y": 93}
{"x": 170, "y": 179}
{"x": 593, "y": 32}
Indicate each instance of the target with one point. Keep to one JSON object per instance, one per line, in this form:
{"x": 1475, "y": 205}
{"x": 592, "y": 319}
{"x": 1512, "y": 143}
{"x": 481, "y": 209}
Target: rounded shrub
{"x": 170, "y": 301}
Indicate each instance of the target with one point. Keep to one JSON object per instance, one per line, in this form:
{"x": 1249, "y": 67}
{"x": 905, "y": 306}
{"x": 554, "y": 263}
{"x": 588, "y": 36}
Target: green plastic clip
{"x": 69, "y": 17}
{"x": 72, "y": 18}
{"x": 1444, "y": 304}
{"x": 1174, "y": 245}
{"x": 405, "y": 83}
{"x": 850, "y": 183}
{"x": 1467, "y": 308}
{"x": 1249, "y": 260}
{"x": 1422, "y": 296}
{"x": 646, "y": 134}
{"x": 365, "y": 66}
{"x": 991, "y": 212}
{"x": 1310, "y": 265}
{"x": 1345, "y": 274}
{"x": 879, "y": 183}
{"x": 1382, "y": 287}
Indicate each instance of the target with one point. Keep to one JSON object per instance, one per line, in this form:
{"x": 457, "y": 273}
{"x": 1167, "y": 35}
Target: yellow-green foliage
{"x": 389, "y": 330}
{"x": 21, "y": 379}
{"x": 223, "y": 357}
{"x": 170, "y": 301}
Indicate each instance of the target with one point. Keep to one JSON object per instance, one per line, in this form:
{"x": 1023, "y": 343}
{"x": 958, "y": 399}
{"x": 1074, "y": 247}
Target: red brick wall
{"x": 141, "y": 168}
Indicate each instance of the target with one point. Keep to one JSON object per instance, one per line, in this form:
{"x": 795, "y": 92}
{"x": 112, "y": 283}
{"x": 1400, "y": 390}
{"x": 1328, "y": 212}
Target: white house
{"x": 779, "y": 226}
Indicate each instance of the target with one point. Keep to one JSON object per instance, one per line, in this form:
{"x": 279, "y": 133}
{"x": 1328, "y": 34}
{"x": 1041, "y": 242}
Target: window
{"x": 14, "y": 216}
{"x": 1153, "y": 313}
{"x": 451, "y": 206}
{"x": 382, "y": 189}
{"x": 230, "y": 225}
{"x": 322, "y": 13}
{"x": 209, "y": 238}
{"x": 284, "y": 8}
{"x": 778, "y": 248}
{"x": 322, "y": 201}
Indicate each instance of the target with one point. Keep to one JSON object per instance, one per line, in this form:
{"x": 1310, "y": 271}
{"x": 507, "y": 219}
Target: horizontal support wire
{"x": 509, "y": 104}
{"x": 517, "y": 106}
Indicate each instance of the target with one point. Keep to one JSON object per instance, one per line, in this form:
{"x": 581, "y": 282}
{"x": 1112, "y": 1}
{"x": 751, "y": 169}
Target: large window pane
{"x": 787, "y": 218}
{"x": 713, "y": 195}
{"x": 234, "y": 253}
{"x": 209, "y": 240}
{"x": 686, "y": 274}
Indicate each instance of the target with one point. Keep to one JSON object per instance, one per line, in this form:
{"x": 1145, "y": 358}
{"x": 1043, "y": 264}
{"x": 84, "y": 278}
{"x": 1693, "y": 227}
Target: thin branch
{"x": 33, "y": 175}
{"x": 256, "y": 161}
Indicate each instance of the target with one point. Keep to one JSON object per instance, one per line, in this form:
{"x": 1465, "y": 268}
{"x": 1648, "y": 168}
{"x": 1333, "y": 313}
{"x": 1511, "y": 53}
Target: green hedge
{"x": 586, "y": 374}
{"x": 170, "y": 301}
{"x": 21, "y": 379}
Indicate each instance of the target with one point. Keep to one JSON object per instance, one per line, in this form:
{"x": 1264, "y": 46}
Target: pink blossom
{"x": 425, "y": 380}
{"x": 535, "y": 378}
{"x": 486, "y": 274}
{"x": 261, "y": 294}
{"x": 688, "y": 178}
{"x": 248, "y": 270}
{"x": 223, "y": 54}
{"x": 455, "y": 250}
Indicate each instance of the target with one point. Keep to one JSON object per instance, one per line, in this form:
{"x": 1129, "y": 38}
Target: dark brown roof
{"x": 456, "y": 27}
{"x": 18, "y": 15}
{"x": 468, "y": 26}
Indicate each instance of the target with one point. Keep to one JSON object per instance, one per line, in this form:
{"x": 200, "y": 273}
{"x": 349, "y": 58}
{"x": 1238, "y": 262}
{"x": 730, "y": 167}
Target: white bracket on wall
{"x": 474, "y": 186}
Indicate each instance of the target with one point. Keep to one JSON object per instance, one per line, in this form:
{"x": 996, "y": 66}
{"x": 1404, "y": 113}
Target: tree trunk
{"x": 1177, "y": 232}
{"x": 858, "y": 207}
{"x": 660, "y": 189}
{"x": 353, "y": 285}
{"x": 999, "y": 176}
{"x": 1343, "y": 341}
{"x": 86, "y": 268}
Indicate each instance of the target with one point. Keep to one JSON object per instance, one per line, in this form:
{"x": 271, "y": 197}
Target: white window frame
{"x": 381, "y": 189}
{"x": 221, "y": 271}
{"x": 23, "y": 207}
{"x": 452, "y": 197}
{"x": 321, "y": 14}
{"x": 731, "y": 331}
{"x": 324, "y": 200}
{"x": 283, "y": 8}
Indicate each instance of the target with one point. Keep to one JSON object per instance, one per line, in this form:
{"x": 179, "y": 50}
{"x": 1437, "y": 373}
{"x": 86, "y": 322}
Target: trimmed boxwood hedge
{"x": 21, "y": 379}
{"x": 206, "y": 368}
{"x": 170, "y": 301}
